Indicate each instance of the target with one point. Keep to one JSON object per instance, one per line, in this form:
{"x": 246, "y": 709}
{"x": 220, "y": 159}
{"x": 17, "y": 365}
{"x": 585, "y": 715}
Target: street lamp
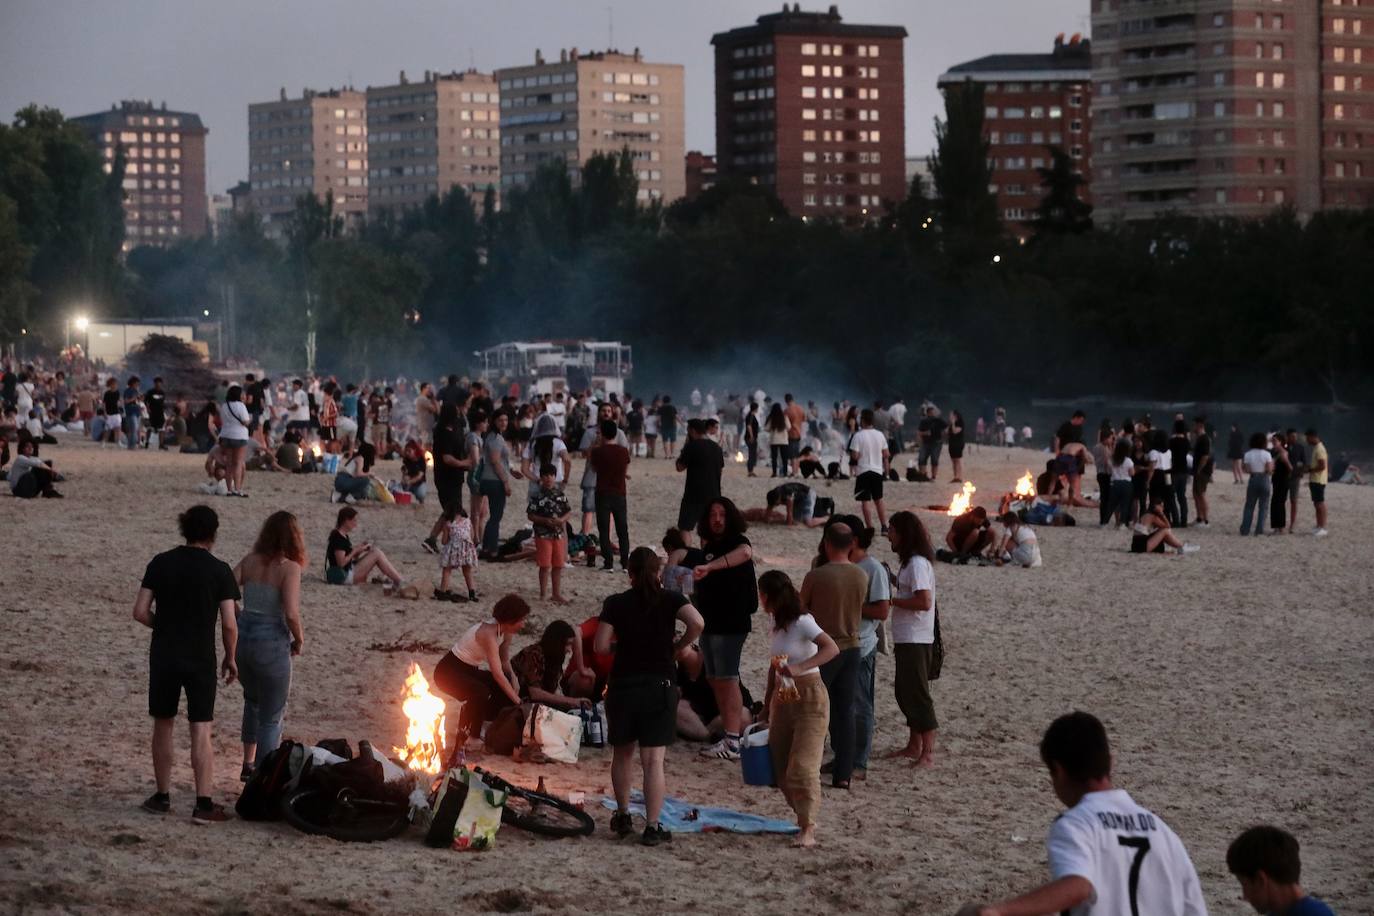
{"x": 82, "y": 323}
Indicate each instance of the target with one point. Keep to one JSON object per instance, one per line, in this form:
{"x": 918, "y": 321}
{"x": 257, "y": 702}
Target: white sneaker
{"x": 1320, "y": 533}
{"x": 348, "y": 498}
{"x": 723, "y": 749}
{"x": 334, "y": 496}
{"x": 1189, "y": 548}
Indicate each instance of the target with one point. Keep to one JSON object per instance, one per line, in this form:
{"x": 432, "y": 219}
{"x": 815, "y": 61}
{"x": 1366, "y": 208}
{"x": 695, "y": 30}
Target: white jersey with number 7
{"x": 1136, "y": 864}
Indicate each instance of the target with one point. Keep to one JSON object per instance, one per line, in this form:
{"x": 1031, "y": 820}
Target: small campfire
{"x": 429, "y": 459}
{"x": 739, "y": 458}
{"x": 962, "y": 500}
{"x": 424, "y": 750}
{"x": 1025, "y": 487}
{"x": 316, "y": 451}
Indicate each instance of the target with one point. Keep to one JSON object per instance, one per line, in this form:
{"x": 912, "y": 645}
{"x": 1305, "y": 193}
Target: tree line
{"x": 933, "y": 296}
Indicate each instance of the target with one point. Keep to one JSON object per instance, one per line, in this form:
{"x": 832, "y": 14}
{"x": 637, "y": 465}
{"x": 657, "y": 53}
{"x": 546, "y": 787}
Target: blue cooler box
{"x": 756, "y": 761}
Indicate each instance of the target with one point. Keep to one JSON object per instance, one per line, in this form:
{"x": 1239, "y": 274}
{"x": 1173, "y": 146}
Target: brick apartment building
{"x": 812, "y": 108}
{"x": 599, "y": 102}
{"x": 164, "y": 171}
{"x": 1031, "y": 102}
{"x": 1232, "y": 107}
{"x": 701, "y": 173}
{"x": 313, "y": 144}
{"x": 428, "y": 136}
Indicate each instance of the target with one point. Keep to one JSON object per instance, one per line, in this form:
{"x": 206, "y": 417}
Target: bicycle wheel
{"x": 344, "y": 817}
{"x": 546, "y": 815}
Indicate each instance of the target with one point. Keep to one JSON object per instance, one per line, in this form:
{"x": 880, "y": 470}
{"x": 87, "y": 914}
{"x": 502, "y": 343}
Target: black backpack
{"x": 278, "y": 774}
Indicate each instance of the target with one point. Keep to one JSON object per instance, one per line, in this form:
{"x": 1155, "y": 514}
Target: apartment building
{"x": 164, "y": 169}
{"x": 429, "y": 136}
{"x": 1032, "y": 102}
{"x": 314, "y": 144}
{"x": 701, "y": 173}
{"x": 812, "y": 107}
{"x": 597, "y": 102}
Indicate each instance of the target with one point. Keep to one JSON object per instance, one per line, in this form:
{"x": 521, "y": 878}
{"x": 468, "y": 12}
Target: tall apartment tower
{"x": 429, "y": 136}
{"x": 164, "y": 170}
{"x": 1031, "y": 102}
{"x": 598, "y": 102}
{"x": 812, "y": 108}
{"x": 315, "y": 144}
{"x": 1232, "y": 107}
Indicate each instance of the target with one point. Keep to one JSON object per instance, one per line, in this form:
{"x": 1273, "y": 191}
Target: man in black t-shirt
{"x": 1070, "y": 430}
{"x": 182, "y": 593}
{"x": 451, "y": 464}
{"x": 931, "y": 431}
{"x": 667, "y": 426}
{"x": 703, "y": 461}
{"x": 156, "y": 402}
{"x": 1203, "y": 466}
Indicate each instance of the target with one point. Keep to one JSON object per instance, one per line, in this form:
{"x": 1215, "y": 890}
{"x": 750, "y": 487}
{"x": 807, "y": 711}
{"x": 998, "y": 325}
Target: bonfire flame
{"x": 961, "y": 501}
{"x": 429, "y": 459}
{"x": 739, "y": 457}
{"x": 424, "y": 750}
{"x": 316, "y": 451}
{"x": 1025, "y": 486}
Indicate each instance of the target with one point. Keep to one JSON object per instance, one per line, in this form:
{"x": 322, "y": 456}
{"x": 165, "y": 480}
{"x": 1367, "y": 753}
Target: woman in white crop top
{"x": 477, "y": 669}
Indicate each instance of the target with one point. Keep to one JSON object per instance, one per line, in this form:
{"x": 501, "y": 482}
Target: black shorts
{"x": 168, "y": 677}
{"x": 1140, "y": 543}
{"x": 868, "y": 486}
{"x": 641, "y": 710}
{"x": 1318, "y": 491}
{"x": 689, "y": 514}
{"x": 327, "y": 433}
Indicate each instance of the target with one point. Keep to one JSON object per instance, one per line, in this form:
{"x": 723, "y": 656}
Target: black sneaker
{"x": 246, "y": 773}
{"x": 156, "y": 805}
{"x": 655, "y": 835}
{"x": 215, "y": 814}
{"x": 430, "y": 545}
{"x": 622, "y": 824}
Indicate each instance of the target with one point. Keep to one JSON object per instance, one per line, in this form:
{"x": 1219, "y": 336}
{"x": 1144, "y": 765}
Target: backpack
{"x": 505, "y": 732}
{"x": 278, "y": 774}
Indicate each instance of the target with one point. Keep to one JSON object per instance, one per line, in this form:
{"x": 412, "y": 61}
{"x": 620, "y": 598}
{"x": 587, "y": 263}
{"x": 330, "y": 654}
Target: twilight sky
{"x": 214, "y": 58}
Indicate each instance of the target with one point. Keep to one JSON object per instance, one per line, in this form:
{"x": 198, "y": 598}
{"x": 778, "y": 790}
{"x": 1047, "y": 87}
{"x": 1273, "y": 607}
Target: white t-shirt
{"x": 300, "y": 406}
{"x": 797, "y": 642}
{"x": 1027, "y": 551}
{"x": 1123, "y": 470}
{"x": 870, "y": 444}
{"x": 916, "y": 575}
{"x": 233, "y": 420}
{"x": 1256, "y": 460}
{"x": 559, "y": 411}
{"x": 898, "y": 413}
{"x": 1114, "y": 843}
{"x": 559, "y": 450}
{"x": 1161, "y": 461}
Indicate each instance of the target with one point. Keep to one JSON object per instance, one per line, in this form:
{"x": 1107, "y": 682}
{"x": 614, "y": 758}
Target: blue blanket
{"x": 683, "y": 817}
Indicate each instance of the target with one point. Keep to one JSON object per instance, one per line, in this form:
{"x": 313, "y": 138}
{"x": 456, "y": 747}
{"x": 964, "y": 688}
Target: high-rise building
{"x": 1031, "y": 102}
{"x": 700, "y": 173}
{"x": 598, "y": 102}
{"x": 164, "y": 169}
{"x": 429, "y": 136}
{"x": 812, "y": 108}
{"x": 1232, "y": 107}
{"x": 315, "y": 144}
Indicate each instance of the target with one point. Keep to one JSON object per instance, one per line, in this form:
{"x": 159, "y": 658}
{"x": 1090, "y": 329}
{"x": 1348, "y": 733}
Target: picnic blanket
{"x": 684, "y": 817}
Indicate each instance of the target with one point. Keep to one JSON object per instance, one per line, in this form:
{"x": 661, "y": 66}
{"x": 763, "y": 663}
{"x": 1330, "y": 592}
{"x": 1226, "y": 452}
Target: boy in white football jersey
{"x": 1108, "y": 855}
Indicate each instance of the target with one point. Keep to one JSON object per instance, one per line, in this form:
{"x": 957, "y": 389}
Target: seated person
{"x": 589, "y": 680}
{"x": 34, "y": 427}
{"x": 1070, "y": 463}
{"x": 290, "y": 456}
{"x": 698, "y": 716}
{"x": 681, "y": 560}
{"x": 1342, "y": 471}
{"x": 1152, "y": 532}
{"x": 345, "y": 564}
{"x": 260, "y": 457}
{"x": 971, "y": 534}
{"x": 809, "y": 464}
{"x": 217, "y": 469}
{"x": 478, "y": 671}
{"x": 29, "y": 476}
{"x": 1020, "y": 546}
{"x": 540, "y": 671}
{"x": 413, "y": 470}
{"x": 9, "y": 425}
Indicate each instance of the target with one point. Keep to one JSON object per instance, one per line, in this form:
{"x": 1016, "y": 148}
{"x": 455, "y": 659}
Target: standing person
{"x": 931, "y": 431}
{"x": 329, "y": 415}
{"x": 956, "y": 445}
{"x": 495, "y": 481}
{"x": 1102, "y": 461}
{"x": 667, "y": 426}
{"x": 113, "y": 412}
{"x": 233, "y": 436}
{"x": 591, "y": 438}
{"x": 835, "y": 594}
{"x": 651, "y": 430}
{"x": 544, "y": 448}
{"x": 182, "y": 592}
{"x": 896, "y": 415}
{"x": 798, "y": 715}
{"x": 703, "y": 461}
{"x": 1316, "y": 480}
{"x": 1108, "y": 855}
{"x": 457, "y": 551}
{"x": 1259, "y": 464}
{"x": 298, "y": 411}
{"x": 913, "y": 635}
{"x": 876, "y": 609}
{"x": 726, "y": 590}
{"x": 1278, "y": 482}
{"x": 478, "y": 424}
{"x": 156, "y": 403}
{"x": 549, "y": 511}
{"x": 1235, "y": 450}
{"x": 1121, "y": 470}
{"x": 1203, "y": 466}
{"x": 477, "y": 669}
{"x": 778, "y": 433}
{"x": 426, "y": 413}
{"x": 1297, "y": 457}
{"x": 796, "y": 420}
{"x": 634, "y": 426}
{"x": 1070, "y": 431}
{"x": 1265, "y": 861}
{"x": 1179, "y": 451}
{"x": 869, "y": 461}
{"x": 611, "y": 463}
{"x": 751, "y": 438}
{"x": 133, "y": 412}
{"x": 270, "y": 633}
{"x": 641, "y": 697}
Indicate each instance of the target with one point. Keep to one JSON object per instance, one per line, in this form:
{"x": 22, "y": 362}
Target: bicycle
{"x": 346, "y": 816}
{"x": 539, "y": 812}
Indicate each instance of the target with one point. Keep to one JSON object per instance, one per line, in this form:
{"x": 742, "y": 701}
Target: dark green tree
{"x": 1062, "y": 209}
{"x": 962, "y": 173}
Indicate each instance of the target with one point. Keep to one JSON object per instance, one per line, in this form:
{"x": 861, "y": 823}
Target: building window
{"x": 1221, "y": 195}
{"x": 990, "y": 112}
{"x": 808, "y": 114}
{"x": 808, "y": 136}
{"x": 1279, "y": 195}
{"x": 808, "y": 49}
{"x": 1218, "y": 109}
{"x": 809, "y": 92}
{"x": 808, "y": 70}
{"x": 1278, "y": 80}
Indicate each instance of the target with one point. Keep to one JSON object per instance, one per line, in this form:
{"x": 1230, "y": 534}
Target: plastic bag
{"x": 557, "y": 734}
{"x": 480, "y": 818}
{"x": 787, "y": 688}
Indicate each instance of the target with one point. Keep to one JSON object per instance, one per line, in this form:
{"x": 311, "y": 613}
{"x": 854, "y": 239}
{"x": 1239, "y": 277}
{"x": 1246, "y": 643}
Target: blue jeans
{"x": 863, "y": 709}
{"x": 356, "y": 487}
{"x": 841, "y": 677}
{"x": 1256, "y": 497}
{"x": 131, "y": 432}
{"x": 495, "y": 492}
{"x": 419, "y": 491}
{"x": 264, "y": 660}
{"x": 1180, "y": 482}
{"x": 1122, "y": 495}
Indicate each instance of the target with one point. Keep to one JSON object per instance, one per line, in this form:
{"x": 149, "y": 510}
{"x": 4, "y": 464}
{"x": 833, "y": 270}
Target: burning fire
{"x": 739, "y": 457}
{"x": 429, "y": 458}
{"x": 424, "y": 750}
{"x": 316, "y": 451}
{"x": 961, "y": 501}
{"x": 1025, "y": 486}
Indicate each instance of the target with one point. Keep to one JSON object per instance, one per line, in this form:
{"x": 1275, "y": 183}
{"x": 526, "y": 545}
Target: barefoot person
{"x": 1108, "y": 855}
{"x": 182, "y": 593}
{"x": 913, "y": 635}
{"x": 799, "y": 713}
{"x": 641, "y": 700}
{"x": 345, "y": 564}
{"x": 270, "y": 633}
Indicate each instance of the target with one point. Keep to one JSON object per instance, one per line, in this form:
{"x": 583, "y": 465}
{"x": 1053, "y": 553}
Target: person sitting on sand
{"x": 1020, "y": 546}
{"x": 477, "y": 670}
{"x": 30, "y": 476}
{"x": 351, "y": 481}
{"x": 680, "y": 561}
{"x": 1342, "y": 471}
{"x": 539, "y": 667}
{"x": 698, "y": 716}
{"x": 970, "y": 534}
{"x": 1069, "y": 464}
{"x": 345, "y": 564}
{"x": 790, "y": 504}
{"x": 1152, "y": 532}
